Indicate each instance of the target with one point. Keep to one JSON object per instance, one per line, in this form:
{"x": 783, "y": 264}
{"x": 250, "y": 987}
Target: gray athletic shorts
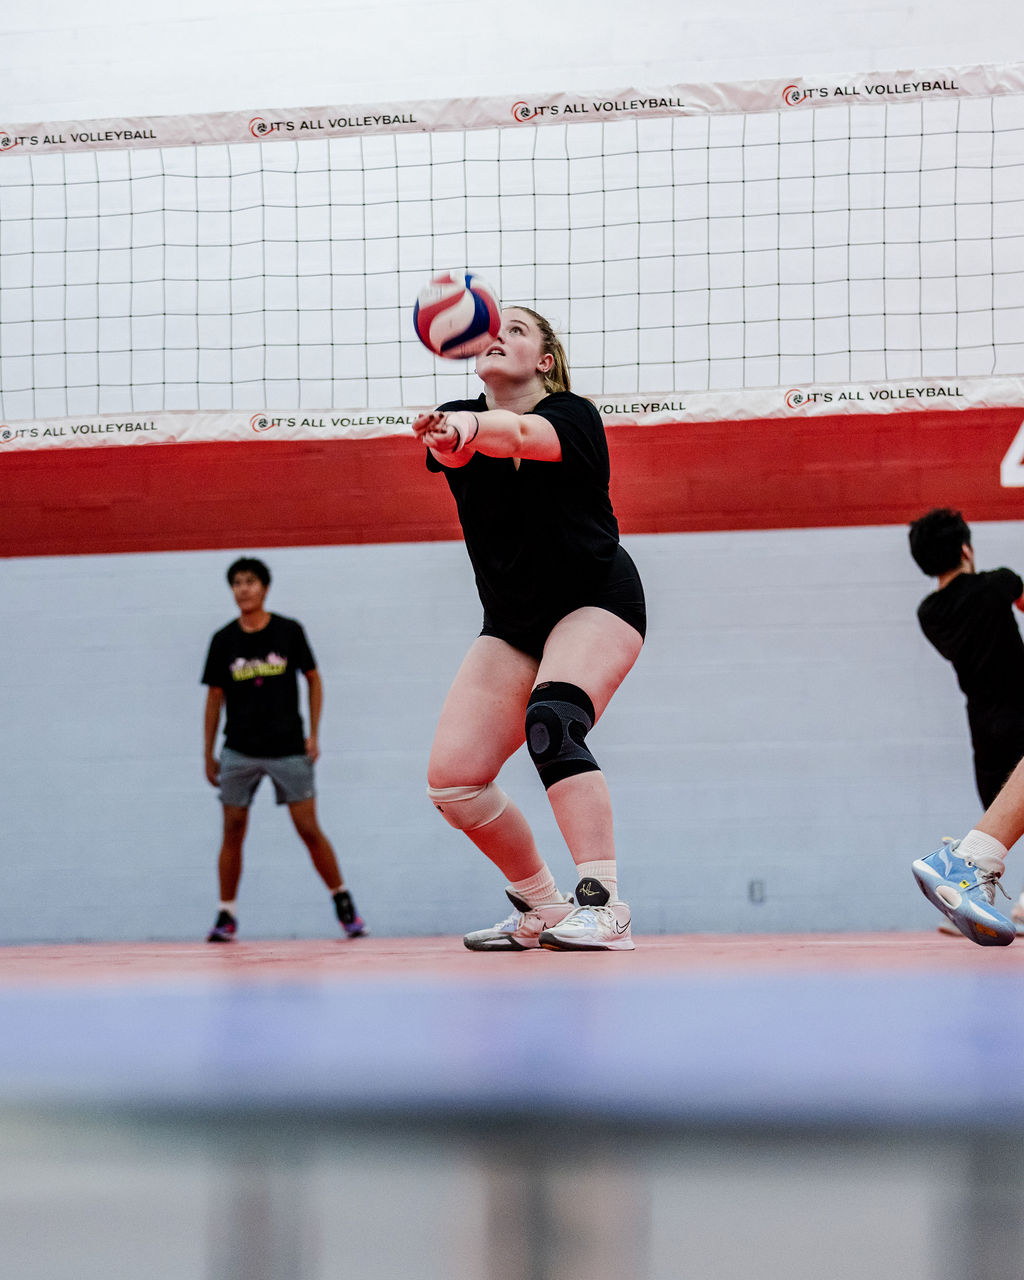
{"x": 240, "y": 775}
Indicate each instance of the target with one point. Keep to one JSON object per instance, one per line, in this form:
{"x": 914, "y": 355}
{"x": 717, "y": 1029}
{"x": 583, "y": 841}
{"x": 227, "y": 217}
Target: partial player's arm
{"x": 454, "y": 437}
{"x": 316, "y": 704}
{"x": 1014, "y": 586}
{"x": 211, "y": 719}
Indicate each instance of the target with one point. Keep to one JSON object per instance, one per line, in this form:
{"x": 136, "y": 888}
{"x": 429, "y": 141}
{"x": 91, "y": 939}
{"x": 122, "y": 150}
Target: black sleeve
{"x": 303, "y": 655}
{"x": 580, "y": 432}
{"x": 213, "y": 671}
{"x": 1007, "y": 583}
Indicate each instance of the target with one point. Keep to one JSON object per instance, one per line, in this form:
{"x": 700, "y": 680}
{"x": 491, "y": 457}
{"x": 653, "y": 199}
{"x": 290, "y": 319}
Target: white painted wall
{"x": 66, "y": 60}
{"x": 786, "y": 724}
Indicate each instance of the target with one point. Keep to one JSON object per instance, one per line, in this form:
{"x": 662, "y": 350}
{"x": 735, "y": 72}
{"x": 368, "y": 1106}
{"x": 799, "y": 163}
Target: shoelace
{"x": 592, "y": 916}
{"x": 511, "y": 922}
{"x": 986, "y": 879}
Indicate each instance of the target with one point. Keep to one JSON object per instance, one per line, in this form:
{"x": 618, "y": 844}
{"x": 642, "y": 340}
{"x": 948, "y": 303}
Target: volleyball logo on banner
{"x": 456, "y": 316}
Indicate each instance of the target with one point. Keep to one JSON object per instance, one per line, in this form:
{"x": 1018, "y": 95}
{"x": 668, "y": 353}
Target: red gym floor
{"x": 445, "y": 957}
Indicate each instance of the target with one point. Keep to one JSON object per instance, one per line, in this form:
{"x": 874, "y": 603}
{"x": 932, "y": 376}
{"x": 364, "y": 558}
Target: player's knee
{"x": 558, "y": 718}
{"x": 467, "y": 808}
{"x": 236, "y": 819}
{"x": 309, "y": 833}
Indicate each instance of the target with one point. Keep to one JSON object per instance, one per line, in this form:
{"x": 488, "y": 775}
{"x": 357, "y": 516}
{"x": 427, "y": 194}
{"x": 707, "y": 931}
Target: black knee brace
{"x": 558, "y": 719}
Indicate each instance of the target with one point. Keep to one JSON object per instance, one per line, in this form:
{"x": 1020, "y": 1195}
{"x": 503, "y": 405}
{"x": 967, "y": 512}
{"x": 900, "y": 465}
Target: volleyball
{"x": 456, "y": 315}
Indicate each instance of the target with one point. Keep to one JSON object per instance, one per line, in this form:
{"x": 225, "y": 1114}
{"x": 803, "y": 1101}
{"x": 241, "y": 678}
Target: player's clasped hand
{"x": 446, "y": 432}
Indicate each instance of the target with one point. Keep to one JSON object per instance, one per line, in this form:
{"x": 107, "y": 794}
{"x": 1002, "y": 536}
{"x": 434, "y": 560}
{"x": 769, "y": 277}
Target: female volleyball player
{"x": 564, "y": 620}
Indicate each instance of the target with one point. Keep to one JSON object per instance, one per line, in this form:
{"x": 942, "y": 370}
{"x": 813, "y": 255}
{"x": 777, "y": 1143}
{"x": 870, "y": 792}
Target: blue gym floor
{"x": 720, "y": 1067}
{"x": 844, "y": 1028}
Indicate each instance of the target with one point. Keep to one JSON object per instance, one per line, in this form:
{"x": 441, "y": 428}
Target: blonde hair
{"x": 557, "y": 377}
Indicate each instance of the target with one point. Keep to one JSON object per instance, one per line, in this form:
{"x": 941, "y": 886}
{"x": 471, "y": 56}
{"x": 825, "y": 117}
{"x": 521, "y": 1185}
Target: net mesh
{"x": 686, "y": 253}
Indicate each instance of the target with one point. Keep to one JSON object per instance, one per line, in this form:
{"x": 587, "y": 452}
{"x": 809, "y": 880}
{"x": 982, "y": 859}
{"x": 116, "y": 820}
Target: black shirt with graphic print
{"x": 258, "y": 672}
{"x": 542, "y": 534}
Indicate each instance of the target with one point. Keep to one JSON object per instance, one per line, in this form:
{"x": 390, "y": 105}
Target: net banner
{"x": 824, "y": 405}
{"x": 266, "y": 125}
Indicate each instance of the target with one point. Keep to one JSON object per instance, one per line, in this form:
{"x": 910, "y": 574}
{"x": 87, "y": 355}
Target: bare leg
{"x": 1004, "y": 818}
{"x": 320, "y": 850}
{"x": 594, "y": 650}
{"x": 229, "y": 863}
{"x": 481, "y": 725}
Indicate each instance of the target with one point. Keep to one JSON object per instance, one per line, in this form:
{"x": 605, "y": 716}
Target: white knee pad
{"x": 466, "y": 808}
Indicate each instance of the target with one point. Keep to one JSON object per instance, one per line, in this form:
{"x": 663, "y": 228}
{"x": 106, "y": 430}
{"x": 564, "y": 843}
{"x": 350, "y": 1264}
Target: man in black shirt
{"x": 969, "y": 620}
{"x": 250, "y": 673}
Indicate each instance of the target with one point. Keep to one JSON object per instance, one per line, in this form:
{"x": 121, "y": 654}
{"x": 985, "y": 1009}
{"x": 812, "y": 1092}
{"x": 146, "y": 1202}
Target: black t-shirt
{"x": 257, "y": 671}
{"x": 542, "y": 534}
{"x": 970, "y": 621}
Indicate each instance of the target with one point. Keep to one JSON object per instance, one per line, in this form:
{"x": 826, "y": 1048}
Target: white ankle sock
{"x": 539, "y": 890}
{"x": 603, "y": 870}
{"x": 228, "y": 906}
{"x": 983, "y": 850}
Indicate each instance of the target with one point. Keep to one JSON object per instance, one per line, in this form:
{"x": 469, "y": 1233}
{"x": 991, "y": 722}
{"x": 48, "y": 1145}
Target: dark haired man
{"x": 250, "y": 673}
{"x": 969, "y": 620}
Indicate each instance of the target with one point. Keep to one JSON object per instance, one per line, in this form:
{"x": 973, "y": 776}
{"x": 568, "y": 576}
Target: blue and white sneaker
{"x": 965, "y": 894}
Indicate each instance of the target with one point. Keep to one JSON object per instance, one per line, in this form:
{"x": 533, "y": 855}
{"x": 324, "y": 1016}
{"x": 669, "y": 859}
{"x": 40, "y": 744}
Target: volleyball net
{"x": 713, "y": 249}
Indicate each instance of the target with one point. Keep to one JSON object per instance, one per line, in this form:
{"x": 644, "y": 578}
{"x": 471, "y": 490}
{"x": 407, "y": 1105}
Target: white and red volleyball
{"x": 456, "y": 315}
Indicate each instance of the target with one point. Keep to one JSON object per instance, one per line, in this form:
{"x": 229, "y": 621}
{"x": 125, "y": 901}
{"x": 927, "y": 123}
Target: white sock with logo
{"x": 984, "y": 851}
{"x": 603, "y": 870}
{"x": 539, "y": 890}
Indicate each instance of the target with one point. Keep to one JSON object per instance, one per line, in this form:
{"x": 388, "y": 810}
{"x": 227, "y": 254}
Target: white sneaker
{"x": 604, "y": 926}
{"x": 522, "y": 929}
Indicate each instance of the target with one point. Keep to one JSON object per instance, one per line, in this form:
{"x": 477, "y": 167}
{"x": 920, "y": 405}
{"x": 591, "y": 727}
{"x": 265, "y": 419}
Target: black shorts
{"x": 621, "y": 593}
{"x": 997, "y": 736}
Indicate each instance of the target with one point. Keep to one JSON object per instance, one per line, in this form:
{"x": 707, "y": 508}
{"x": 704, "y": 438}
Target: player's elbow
{"x": 522, "y": 436}
{"x": 506, "y": 438}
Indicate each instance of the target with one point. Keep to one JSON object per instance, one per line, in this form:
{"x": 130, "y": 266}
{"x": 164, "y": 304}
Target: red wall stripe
{"x": 766, "y": 474}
